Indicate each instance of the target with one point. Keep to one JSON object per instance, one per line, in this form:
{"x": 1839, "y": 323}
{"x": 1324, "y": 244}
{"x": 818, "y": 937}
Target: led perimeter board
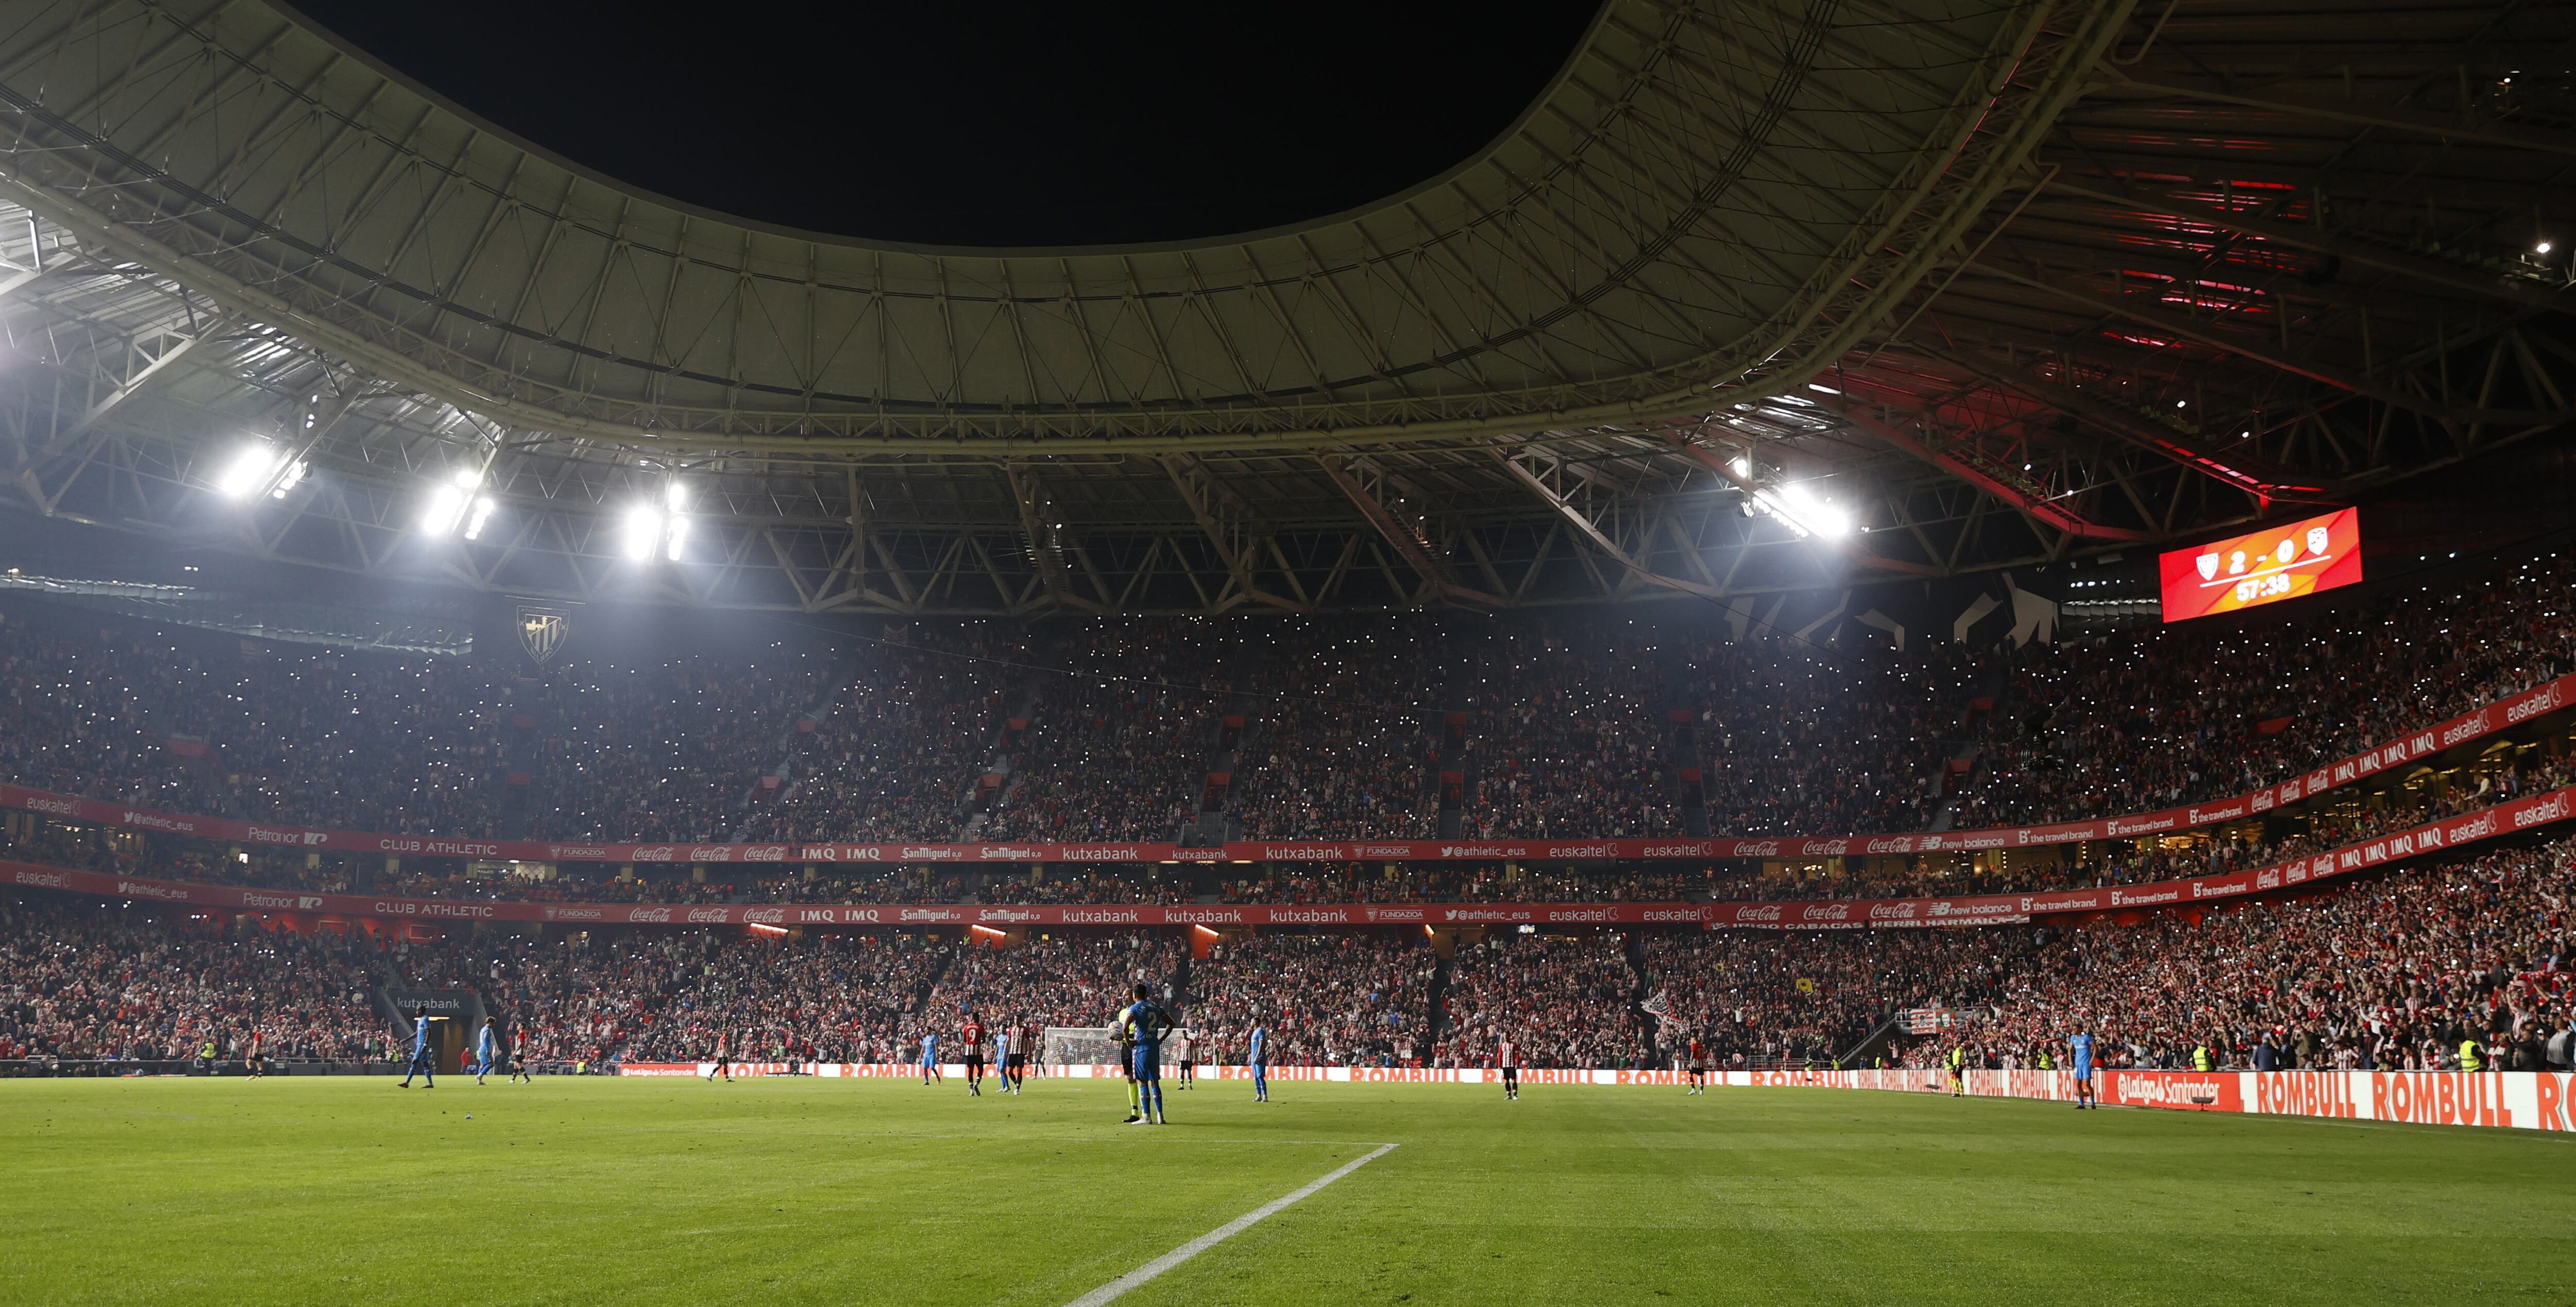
{"x": 2262, "y": 567}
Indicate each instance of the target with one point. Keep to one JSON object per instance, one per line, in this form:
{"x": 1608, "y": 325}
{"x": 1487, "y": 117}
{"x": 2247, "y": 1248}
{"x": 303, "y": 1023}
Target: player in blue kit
{"x": 2079, "y": 1056}
{"x": 2079, "y": 1059}
{"x": 486, "y": 1047}
{"x": 1144, "y": 1022}
{"x": 930, "y": 1058}
{"x": 423, "y": 1061}
{"x": 1256, "y": 1054}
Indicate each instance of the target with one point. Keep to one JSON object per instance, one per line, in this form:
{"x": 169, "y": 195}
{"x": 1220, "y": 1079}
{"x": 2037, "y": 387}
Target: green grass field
{"x": 344, "y": 1190}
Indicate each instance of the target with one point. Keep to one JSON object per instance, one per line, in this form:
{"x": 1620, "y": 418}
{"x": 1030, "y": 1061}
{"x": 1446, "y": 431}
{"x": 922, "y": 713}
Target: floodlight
{"x": 251, "y": 471}
{"x": 482, "y": 513}
{"x": 643, "y": 531}
{"x": 1803, "y": 508}
{"x": 448, "y": 503}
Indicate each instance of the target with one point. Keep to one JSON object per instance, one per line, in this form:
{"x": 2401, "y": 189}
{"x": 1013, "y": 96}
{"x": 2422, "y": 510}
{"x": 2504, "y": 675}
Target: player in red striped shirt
{"x": 973, "y": 1035}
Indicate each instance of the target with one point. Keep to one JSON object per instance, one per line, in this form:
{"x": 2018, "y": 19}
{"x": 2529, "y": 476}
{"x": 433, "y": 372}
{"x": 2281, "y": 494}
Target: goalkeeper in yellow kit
{"x": 1125, "y": 1044}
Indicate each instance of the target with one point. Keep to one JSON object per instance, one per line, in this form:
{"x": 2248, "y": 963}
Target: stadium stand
{"x": 1324, "y": 727}
{"x": 1563, "y": 1000}
{"x": 2385, "y": 973}
{"x": 1326, "y": 1000}
{"x": 1063, "y": 981}
{"x": 1569, "y": 729}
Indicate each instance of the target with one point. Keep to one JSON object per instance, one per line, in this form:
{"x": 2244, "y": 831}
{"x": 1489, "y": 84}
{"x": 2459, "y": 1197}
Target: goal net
{"x": 1077, "y": 1046}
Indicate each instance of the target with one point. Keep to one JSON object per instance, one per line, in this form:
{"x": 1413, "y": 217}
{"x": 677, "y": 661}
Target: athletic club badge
{"x": 542, "y": 628}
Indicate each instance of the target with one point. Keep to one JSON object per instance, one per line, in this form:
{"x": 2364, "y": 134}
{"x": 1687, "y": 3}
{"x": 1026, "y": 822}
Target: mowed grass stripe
{"x": 344, "y": 1190}
{"x": 659, "y": 1191}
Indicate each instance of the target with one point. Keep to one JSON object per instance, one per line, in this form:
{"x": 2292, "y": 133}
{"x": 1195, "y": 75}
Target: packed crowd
{"x": 837, "y": 999}
{"x": 1482, "y": 882}
{"x": 2168, "y": 716}
{"x": 82, "y": 980}
{"x": 411, "y": 745}
{"x": 1565, "y": 739}
{"x": 1107, "y": 729}
{"x": 99, "y": 981}
{"x": 1062, "y": 981}
{"x": 2497, "y": 777}
{"x": 1561, "y": 1000}
{"x": 1755, "y": 999}
{"x": 2469, "y": 961}
{"x": 1340, "y": 744}
{"x": 1324, "y": 1000}
{"x": 2395, "y": 974}
{"x": 895, "y": 751}
{"x": 1121, "y": 738}
{"x": 1794, "y": 740}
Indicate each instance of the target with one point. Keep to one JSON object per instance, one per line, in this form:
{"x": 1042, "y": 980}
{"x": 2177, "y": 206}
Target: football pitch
{"x": 346, "y": 1190}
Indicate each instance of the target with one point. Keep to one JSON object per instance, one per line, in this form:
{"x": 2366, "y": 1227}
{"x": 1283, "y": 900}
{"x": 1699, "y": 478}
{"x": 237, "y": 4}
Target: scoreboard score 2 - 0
{"x": 2262, "y": 567}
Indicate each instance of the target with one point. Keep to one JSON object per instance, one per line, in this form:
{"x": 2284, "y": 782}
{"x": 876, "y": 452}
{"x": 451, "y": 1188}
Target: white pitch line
{"x": 1137, "y": 1278}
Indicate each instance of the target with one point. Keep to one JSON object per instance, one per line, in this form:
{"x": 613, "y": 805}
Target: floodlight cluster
{"x": 260, "y": 468}
{"x": 651, "y": 529}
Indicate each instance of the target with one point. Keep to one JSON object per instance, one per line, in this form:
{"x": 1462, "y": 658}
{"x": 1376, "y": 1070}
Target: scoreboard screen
{"x": 2263, "y": 567}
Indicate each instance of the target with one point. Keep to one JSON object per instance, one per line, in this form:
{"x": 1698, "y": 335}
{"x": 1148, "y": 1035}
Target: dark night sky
{"x": 960, "y": 124}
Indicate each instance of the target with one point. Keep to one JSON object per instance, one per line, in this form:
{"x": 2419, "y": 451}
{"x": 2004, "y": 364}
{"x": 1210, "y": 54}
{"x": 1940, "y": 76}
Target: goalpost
{"x": 1076, "y": 1046}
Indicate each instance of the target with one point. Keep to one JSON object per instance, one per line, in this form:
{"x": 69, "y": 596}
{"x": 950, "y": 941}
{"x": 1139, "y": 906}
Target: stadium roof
{"x": 1993, "y": 282}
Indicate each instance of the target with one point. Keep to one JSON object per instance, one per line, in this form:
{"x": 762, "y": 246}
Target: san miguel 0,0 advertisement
{"x": 2263, "y": 567}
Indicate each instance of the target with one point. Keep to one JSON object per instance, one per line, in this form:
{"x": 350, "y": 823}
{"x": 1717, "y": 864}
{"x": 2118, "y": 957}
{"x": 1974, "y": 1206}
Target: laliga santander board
{"x": 2262, "y": 567}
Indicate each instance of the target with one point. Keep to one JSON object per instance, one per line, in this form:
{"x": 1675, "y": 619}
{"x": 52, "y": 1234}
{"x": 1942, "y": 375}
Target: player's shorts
{"x": 1015, "y": 1061}
{"x": 974, "y": 1061}
{"x": 2083, "y": 1071}
{"x": 1695, "y": 1069}
{"x": 1147, "y": 1064}
{"x": 1511, "y": 1075}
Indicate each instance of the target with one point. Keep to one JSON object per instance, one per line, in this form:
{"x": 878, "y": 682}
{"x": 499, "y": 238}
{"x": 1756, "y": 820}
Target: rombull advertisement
{"x": 2518, "y": 1100}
